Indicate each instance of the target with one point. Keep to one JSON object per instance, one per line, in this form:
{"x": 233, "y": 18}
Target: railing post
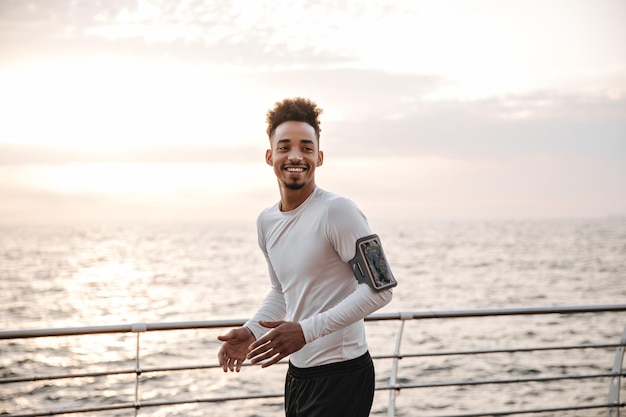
{"x": 391, "y": 408}
{"x": 137, "y": 328}
{"x": 614, "y": 385}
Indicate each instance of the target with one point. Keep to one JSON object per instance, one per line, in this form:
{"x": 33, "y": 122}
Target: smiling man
{"x": 327, "y": 273}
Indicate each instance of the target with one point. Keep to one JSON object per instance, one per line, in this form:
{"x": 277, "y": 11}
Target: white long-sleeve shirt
{"x": 307, "y": 250}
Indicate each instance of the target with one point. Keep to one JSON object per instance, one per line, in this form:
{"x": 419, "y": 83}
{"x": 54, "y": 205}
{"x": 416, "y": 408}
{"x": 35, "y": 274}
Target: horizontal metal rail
{"x": 616, "y": 374}
{"x": 216, "y": 324}
{"x": 531, "y": 411}
{"x": 151, "y": 404}
{"x": 504, "y": 350}
{"x": 502, "y": 381}
{"x": 35, "y": 378}
{"x": 120, "y": 328}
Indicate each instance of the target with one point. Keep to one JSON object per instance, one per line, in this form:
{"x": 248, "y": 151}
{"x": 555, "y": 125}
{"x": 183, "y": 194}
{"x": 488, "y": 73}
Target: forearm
{"x": 272, "y": 309}
{"x": 358, "y": 305}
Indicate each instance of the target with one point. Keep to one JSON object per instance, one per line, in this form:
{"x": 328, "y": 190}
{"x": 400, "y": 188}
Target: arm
{"x": 358, "y": 305}
{"x": 345, "y": 226}
{"x": 272, "y": 309}
{"x": 237, "y": 342}
{"x": 286, "y": 338}
{"x": 282, "y": 339}
{"x": 289, "y": 337}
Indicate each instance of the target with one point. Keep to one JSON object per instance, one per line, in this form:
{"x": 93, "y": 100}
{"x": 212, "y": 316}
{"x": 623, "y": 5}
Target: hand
{"x": 236, "y": 345}
{"x": 285, "y": 338}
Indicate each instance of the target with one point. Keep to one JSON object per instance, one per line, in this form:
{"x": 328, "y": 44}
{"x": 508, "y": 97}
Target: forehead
{"x": 294, "y": 132}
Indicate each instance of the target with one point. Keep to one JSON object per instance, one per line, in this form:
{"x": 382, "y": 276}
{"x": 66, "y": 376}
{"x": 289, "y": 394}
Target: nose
{"x": 295, "y": 156}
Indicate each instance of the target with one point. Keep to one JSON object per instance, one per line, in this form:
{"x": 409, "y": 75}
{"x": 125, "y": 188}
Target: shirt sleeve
{"x": 273, "y": 307}
{"x": 345, "y": 225}
{"x": 358, "y": 305}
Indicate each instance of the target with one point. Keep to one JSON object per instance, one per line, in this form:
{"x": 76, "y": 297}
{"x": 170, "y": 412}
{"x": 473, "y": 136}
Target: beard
{"x": 293, "y": 185}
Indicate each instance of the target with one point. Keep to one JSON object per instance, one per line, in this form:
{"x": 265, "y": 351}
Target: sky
{"x": 137, "y": 110}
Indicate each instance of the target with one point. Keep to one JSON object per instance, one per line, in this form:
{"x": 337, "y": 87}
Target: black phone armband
{"x": 370, "y": 266}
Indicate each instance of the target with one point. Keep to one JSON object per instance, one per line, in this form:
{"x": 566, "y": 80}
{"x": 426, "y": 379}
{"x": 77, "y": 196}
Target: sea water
{"x": 72, "y": 276}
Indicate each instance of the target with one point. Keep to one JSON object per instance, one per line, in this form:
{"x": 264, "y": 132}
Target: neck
{"x": 291, "y": 199}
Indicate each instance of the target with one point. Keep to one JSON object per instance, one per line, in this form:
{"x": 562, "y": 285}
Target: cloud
{"x": 499, "y": 127}
{"x": 447, "y": 187}
{"x": 17, "y": 154}
{"x": 367, "y": 113}
{"x": 218, "y": 33}
{"x": 133, "y": 192}
{"x": 347, "y": 93}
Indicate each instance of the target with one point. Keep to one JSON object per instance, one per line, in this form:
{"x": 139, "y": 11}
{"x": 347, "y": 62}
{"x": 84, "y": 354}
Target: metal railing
{"x": 394, "y": 385}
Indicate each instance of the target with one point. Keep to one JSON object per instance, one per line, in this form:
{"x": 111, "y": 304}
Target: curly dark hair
{"x": 296, "y": 109}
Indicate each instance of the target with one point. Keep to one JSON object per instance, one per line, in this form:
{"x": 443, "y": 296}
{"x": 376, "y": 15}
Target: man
{"x": 327, "y": 272}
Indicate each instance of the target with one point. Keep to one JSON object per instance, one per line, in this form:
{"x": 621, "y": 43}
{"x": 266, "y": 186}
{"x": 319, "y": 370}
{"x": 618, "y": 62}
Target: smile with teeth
{"x": 295, "y": 168}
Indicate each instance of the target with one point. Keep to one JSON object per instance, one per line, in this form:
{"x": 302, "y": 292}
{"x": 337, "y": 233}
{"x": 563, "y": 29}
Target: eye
{"x": 308, "y": 149}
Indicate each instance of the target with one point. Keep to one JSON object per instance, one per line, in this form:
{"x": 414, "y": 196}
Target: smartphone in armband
{"x": 370, "y": 265}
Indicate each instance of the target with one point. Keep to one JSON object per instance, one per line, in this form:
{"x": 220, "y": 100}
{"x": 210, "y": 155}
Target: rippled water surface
{"x": 60, "y": 276}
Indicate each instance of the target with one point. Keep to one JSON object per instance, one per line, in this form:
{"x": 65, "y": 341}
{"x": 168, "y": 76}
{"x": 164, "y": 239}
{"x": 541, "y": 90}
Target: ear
{"x": 320, "y": 158}
{"x": 268, "y": 157}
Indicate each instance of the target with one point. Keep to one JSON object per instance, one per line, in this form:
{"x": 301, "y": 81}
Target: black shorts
{"x": 343, "y": 389}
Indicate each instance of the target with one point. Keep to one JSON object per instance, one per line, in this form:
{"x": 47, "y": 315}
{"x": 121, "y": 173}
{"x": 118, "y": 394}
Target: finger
{"x": 226, "y": 337}
{"x": 263, "y": 340}
{"x": 267, "y": 354}
{"x": 238, "y": 363}
{"x": 259, "y": 350}
{"x": 274, "y": 360}
{"x": 223, "y": 361}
